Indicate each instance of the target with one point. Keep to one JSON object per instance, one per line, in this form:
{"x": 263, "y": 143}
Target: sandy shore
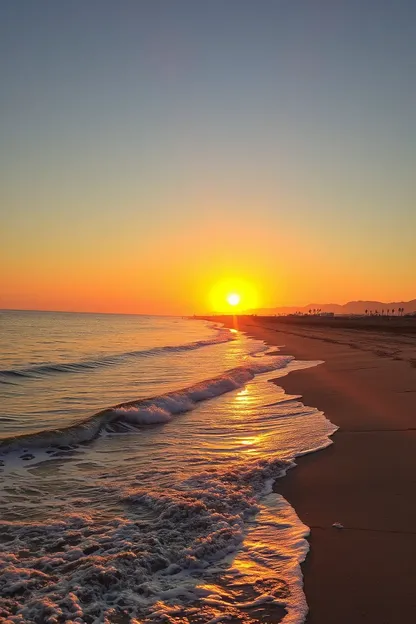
{"x": 366, "y": 480}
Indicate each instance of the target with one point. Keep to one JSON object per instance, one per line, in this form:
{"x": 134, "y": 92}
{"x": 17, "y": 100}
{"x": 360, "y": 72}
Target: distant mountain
{"x": 352, "y": 307}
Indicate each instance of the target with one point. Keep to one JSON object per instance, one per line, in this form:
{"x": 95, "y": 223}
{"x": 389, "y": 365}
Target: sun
{"x": 233, "y": 294}
{"x": 233, "y": 299}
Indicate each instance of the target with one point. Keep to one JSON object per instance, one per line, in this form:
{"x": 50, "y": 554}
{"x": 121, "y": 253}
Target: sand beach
{"x": 366, "y": 385}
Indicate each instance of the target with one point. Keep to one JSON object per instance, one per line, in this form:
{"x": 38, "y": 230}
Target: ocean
{"x": 137, "y": 459}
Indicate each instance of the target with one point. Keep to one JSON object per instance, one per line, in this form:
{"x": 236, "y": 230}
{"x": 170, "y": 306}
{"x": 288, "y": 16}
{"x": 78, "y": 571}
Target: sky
{"x": 157, "y": 155}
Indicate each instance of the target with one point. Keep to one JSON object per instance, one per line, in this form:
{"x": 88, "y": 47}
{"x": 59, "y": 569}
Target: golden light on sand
{"x": 233, "y": 299}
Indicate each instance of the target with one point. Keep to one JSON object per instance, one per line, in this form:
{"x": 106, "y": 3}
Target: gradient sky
{"x": 151, "y": 150}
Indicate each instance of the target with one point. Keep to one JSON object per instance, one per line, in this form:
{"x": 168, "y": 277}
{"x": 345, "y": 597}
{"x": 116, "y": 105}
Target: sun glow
{"x": 233, "y": 299}
{"x": 235, "y": 293}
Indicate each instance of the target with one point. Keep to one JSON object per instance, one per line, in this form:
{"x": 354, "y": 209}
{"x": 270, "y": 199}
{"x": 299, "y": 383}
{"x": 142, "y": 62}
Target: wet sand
{"x": 365, "y": 572}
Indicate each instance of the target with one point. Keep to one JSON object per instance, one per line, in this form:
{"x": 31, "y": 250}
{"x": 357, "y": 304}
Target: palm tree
{"x": 366, "y": 312}
{"x": 388, "y": 311}
{"x": 392, "y": 311}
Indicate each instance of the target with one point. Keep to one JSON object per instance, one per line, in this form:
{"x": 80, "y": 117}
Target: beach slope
{"x": 364, "y": 570}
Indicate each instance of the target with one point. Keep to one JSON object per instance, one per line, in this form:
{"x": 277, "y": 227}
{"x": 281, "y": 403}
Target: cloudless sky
{"x": 151, "y": 150}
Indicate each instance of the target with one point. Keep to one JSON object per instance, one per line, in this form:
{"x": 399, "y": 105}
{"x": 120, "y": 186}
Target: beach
{"x": 137, "y": 466}
{"x": 366, "y": 385}
{"x": 136, "y": 472}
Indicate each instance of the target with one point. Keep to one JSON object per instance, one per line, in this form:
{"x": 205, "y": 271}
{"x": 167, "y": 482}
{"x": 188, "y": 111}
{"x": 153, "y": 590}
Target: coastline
{"x": 366, "y": 386}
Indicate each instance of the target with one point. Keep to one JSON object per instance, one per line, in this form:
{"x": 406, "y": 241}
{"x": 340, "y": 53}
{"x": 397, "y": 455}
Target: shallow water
{"x": 166, "y": 513}
{"x": 57, "y": 368}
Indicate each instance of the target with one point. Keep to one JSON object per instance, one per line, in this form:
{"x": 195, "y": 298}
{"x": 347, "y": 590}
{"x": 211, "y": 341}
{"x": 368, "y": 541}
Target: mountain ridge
{"x": 351, "y": 307}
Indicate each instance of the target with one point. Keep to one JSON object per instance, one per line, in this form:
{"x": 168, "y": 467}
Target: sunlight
{"x": 244, "y": 398}
{"x": 233, "y": 299}
{"x": 236, "y": 293}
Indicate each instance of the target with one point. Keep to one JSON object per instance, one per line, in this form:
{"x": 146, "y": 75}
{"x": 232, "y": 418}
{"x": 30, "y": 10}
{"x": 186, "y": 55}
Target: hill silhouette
{"x": 351, "y": 307}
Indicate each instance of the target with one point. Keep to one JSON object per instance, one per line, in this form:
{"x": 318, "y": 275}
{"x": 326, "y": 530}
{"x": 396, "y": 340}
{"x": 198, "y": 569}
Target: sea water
{"x": 137, "y": 458}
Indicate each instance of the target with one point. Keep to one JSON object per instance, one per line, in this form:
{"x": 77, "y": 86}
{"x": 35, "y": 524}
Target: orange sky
{"x": 150, "y": 155}
{"x": 192, "y": 271}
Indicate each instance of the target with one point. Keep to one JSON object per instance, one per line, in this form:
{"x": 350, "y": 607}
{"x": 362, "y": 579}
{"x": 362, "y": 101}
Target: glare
{"x": 233, "y": 292}
{"x": 233, "y": 299}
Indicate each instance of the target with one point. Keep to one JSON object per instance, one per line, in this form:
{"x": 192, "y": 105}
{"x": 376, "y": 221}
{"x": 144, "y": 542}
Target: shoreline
{"x": 365, "y": 480}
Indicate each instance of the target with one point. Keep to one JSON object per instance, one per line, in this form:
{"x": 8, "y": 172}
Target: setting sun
{"x": 233, "y": 299}
{"x": 235, "y": 292}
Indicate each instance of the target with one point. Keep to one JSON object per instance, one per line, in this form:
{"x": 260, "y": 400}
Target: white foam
{"x": 104, "y": 563}
{"x": 144, "y": 416}
{"x": 163, "y": 408}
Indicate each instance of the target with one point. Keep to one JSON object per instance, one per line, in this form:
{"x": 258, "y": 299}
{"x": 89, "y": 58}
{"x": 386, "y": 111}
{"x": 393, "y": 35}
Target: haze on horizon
{"x": 153, "y": 152}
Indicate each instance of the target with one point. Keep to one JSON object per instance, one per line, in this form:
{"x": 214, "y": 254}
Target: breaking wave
{"x": 85, "y": 568}
{"x": 148, "y": 411}
{"x": 40, "y": 370}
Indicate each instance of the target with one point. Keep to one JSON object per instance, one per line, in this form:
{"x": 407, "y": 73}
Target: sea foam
{"x": 87, "y": 566}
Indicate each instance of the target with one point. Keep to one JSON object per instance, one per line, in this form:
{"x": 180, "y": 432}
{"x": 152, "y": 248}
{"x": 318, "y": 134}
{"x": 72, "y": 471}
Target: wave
{"x": 91, "y": 567}
{"x": 148, "y": 411}
{"x": 51, "y": 368}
